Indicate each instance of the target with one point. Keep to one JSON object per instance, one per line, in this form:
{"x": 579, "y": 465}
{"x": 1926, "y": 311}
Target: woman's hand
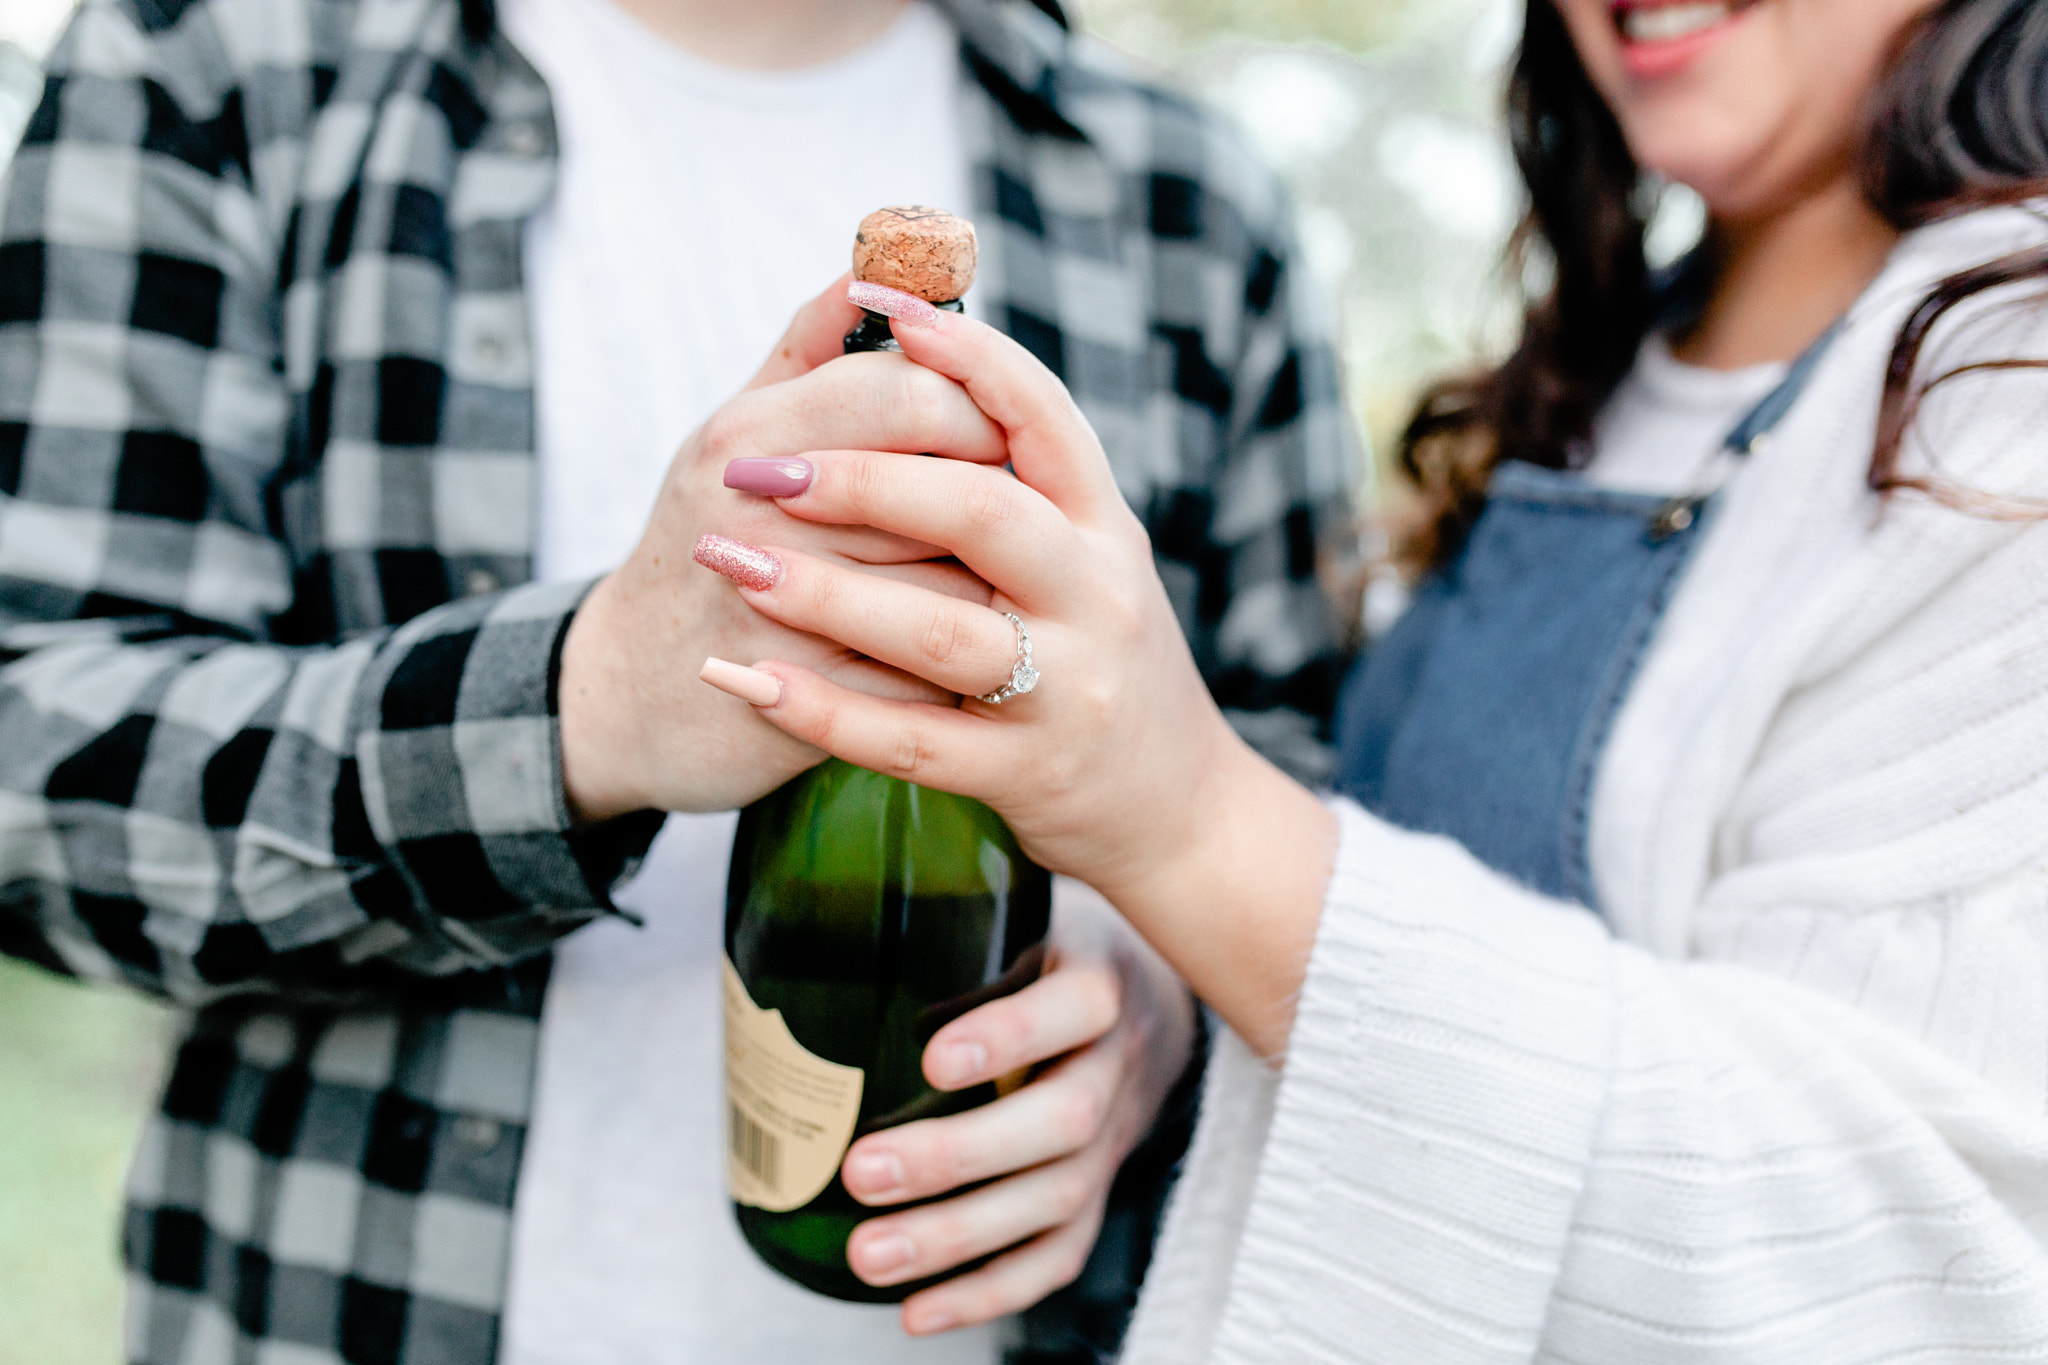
{"x": 638, "y": 731}
{"x": 1120, "y": 1025}
{"x": 1118, "y": 769}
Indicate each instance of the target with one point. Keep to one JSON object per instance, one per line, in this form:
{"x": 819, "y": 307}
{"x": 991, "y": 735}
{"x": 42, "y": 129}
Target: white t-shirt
{"x": 624, "y": 1248}
{"x": 1662, "y": 431}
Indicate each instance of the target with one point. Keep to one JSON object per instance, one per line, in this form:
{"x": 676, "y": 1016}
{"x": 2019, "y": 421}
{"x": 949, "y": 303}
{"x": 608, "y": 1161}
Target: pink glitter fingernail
{"x": 750, "y": 566}
{"x": 908, "y": 309}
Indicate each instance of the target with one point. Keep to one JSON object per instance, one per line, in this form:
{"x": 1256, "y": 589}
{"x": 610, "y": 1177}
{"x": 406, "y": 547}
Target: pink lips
{"x": 1651, "y": 59}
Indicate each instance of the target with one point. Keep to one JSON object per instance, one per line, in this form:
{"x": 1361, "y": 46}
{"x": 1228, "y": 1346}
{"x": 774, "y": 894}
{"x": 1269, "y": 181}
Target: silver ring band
{"x": 1023, "y": 677}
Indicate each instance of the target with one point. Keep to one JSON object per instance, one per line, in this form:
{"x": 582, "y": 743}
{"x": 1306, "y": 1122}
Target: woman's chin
{"x": 1723, "y": 177}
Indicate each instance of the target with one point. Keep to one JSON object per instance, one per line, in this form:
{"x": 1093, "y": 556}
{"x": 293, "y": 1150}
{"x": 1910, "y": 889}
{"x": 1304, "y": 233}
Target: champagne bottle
{"x": 863, "y": 913}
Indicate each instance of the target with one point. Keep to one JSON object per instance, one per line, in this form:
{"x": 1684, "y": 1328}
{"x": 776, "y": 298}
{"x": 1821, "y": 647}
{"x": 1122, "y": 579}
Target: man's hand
{"x": 638, "y": 729}
{"x": 1115, "y": 1025}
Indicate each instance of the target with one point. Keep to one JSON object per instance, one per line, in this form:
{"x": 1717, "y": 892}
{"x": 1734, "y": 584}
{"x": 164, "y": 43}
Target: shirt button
{"x": 523, "y": 139}
{"x": 490, "y": 348}
{"x": 480, "y": 1134}
{"x": 481, "y": 581}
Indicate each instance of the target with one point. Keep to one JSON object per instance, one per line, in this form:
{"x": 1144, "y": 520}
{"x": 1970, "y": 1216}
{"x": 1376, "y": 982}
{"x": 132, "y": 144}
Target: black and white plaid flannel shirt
{"x": 277, "y": 701}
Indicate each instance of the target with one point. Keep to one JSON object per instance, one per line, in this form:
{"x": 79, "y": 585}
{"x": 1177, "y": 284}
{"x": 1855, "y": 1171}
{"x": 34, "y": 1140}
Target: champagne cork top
{"x": 922, "y": 251}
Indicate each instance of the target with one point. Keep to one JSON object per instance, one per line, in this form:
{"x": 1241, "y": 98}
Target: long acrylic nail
{"x": 908, "y": 309}
{"x": 750, "y": 685}
{"x": 750, "y": 566}
{"x": 769, "y": 476}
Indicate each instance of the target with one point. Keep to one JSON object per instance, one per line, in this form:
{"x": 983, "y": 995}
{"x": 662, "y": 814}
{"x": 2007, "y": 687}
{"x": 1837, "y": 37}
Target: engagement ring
{"x": 1023, "y": 677}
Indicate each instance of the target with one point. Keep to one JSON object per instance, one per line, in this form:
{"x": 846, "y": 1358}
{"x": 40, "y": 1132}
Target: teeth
{"x": 1669, "y": 23}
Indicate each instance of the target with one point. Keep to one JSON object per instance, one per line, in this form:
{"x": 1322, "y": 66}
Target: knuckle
{"x": 826, "y": 728}
{"x": 1102, "y": 1000}
{"x": 1010, "y": 1036}
{"x": 991, "y": 1297}
{"x": 988, "y": 506}
{"x": 945, "y": 1238}
{"x": 821, "y": 590}
{"x": 943, "y": 638}
{"x": 920, "y": 402}
{"x": 1054, "y": 396}
{"x": 727, "y": 433}
{"x": 1099, "y": 698}
{"x": 909, "y": 754}
{"x": 860, "y": 481}
{"x": 927, "y": 1161}
{"x": 1123, "y": 605}
{"x": 948, "y": 1160}
{"x": 1071, "y": 1192}
{"x": 1081, "y": 1115}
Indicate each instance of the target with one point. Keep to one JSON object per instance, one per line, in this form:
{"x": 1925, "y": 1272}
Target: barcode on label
{"x": 757, "y": 1149}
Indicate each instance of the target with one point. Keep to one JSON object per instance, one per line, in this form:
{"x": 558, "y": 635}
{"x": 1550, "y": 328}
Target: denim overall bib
{"x": 1482, "y": 714}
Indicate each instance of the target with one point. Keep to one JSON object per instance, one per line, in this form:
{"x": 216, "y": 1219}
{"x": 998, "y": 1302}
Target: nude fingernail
{"x": 908, "y": 309}
{"x": 769, "y": 477}
{"x": 885, "y": 1254}
{"x": 874, "y": 1172}
{"x": 750, "y": 685}
{"x": 936, "y": 1321}
{"x": 959, "y": 1063}
{"x": 750, "y": 566}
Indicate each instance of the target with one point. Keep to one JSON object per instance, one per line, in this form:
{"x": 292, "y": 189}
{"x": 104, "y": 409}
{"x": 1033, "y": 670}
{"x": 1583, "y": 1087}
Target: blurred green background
{"x": 77, "y": 1068}
{"x": 1382, "y": 117}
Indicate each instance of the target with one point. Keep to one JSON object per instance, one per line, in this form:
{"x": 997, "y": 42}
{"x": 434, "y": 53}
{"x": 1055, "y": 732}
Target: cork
{"x": 920, "y": 250}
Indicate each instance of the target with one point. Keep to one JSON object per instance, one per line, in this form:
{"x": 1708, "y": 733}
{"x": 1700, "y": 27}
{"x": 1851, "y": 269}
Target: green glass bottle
{"x": 863, "y": 914}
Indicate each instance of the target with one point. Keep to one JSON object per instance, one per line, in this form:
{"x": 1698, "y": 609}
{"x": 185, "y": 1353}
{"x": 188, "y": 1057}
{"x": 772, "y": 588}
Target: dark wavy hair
{"x": 1958, "y": 121}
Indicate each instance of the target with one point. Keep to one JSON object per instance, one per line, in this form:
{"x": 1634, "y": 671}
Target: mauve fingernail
{"x": 908, "y": 309}
{"x": 769, "y": 477}
{"x": 750, "y": 566}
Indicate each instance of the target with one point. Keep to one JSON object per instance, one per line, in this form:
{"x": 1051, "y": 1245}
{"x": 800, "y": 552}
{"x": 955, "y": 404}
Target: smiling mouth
{"x": 1674, "y": 21}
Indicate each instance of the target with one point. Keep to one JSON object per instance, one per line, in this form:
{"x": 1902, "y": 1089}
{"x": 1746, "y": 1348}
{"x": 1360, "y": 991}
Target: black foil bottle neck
{"x": 873, "y": 334}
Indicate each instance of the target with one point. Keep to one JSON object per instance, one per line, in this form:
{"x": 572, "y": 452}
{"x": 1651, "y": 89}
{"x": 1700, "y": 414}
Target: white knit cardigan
{"x": 1788, "y": 1101}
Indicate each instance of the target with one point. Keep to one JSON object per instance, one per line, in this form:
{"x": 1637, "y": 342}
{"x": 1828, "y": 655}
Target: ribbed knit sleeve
{"x": 1503, "y": 1136}
{"x": 1786, "y": 1102}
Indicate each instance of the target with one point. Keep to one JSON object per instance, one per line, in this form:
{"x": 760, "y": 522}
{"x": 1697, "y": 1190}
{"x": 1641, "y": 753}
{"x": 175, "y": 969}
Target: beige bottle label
{"x": 789, "y": 1113}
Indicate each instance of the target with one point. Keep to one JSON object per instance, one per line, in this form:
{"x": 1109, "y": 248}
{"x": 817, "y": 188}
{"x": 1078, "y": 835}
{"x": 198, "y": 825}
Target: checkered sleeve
{"x": 1279, "y": 647}
{"x": 1258, "y": 541}
{"x": 185, "y": 802}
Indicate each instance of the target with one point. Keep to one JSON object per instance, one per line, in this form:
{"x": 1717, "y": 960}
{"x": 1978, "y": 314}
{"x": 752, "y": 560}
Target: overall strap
{"x": 1751, "y": 436}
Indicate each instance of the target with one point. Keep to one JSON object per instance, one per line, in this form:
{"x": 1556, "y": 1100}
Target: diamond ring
{"x": 1023, "y": 677}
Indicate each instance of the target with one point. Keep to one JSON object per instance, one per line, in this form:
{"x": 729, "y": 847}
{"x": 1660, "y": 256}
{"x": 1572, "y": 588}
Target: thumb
{"x": 816, "y": 334}
{"x": 1052, "y": 448}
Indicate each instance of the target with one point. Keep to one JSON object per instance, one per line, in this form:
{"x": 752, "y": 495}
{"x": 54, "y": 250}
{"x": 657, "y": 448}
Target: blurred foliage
{"x": 1383, "y": 118}
{"x": 77, "y": 1067}
{"x": 1351, "y": 24}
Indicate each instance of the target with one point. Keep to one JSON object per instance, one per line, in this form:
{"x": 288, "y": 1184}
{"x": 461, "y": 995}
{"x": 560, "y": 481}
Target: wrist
{"x": 593, "y": 714}
{"x": 1235, "y": 905}
{"x": 1182, "y": 833}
